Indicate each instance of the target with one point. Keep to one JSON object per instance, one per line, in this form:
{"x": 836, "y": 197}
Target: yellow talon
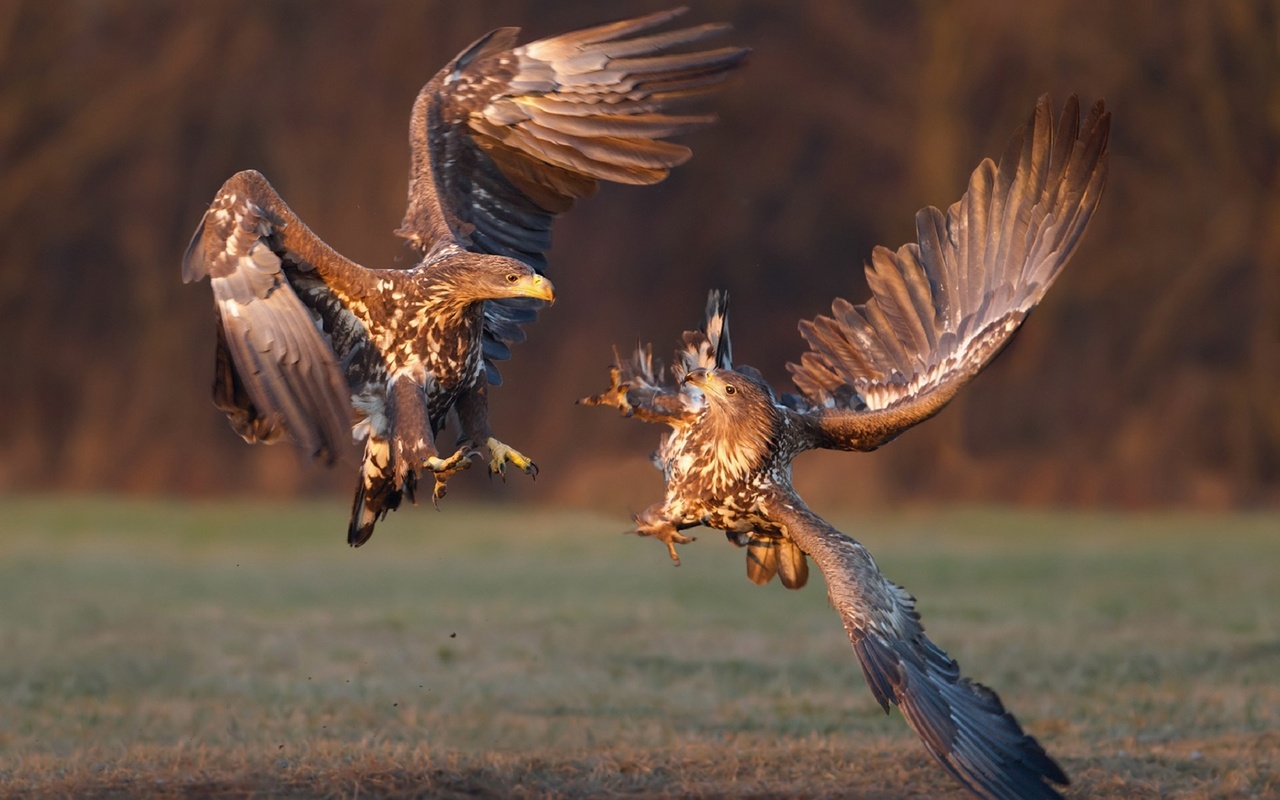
{"x": 447, "y": 467}
{"x": 444, "y": 469}
{"x": 502, "y": 453}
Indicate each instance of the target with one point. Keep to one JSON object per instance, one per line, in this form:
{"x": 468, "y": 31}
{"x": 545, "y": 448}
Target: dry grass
{"x": 236, "y": 650}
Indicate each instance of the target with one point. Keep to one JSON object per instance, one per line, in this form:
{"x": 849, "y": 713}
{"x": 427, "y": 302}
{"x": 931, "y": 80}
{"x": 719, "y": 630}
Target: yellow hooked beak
{"x": 535, "y": 286}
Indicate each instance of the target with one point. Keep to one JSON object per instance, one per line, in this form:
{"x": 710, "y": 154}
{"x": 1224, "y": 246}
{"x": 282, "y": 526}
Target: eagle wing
{"x": 505, "y": 138}
{"x": 963, "y": 724}
{"x": 710, "y": 347}
{"x": 944, "y": 307}
{"x": 283, "y": 336}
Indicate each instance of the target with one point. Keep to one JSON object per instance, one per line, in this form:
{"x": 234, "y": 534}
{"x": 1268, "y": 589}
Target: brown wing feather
{"x": 963, "y": 724}
{"x": 708, "y": 347}
{"x": 556, "y": 115}
{"x": 504, "y": 138}
{"x": 944, "y": 307}
{"x": 277, "y": 368}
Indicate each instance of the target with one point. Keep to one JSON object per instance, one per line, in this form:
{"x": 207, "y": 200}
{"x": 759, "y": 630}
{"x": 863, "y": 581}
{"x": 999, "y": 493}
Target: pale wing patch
{"x": 280, "y": 353}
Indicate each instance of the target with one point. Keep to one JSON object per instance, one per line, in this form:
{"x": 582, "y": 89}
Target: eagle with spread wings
{"x": 940, "y": 310}
{"x": 503, "y": 139}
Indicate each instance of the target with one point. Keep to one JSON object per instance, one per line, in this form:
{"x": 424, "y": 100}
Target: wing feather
{"x": 944, "y": 307}
{"x": 504, "y": 137}
{"x": 963, "y": 724}
{"x": 708, "y": 347}
{"x": 282, "y": 371}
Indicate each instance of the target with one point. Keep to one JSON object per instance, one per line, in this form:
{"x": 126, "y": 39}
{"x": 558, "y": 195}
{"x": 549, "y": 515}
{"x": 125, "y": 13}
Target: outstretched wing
{"x": 942, "y": 308}
{"x": 962, "y": 723}
{"x": 277, "y": 365}
{"x": 504, "y": 138}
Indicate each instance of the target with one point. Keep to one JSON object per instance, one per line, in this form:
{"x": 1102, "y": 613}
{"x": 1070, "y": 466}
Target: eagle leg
{"x": 502, "y": 453}
{"x": 615, "y": 395}
{"x": 473, "y": 414}
{"x": 651, "y": 522}
{"x": 636, "y": 397}
{"x": 444, "y": 469}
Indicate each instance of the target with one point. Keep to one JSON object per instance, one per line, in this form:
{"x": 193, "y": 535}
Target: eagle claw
{"x": 502, "y": 453}
{"x": 445, "y": 468}
{"x": 615, "y": 395}
{"x": 664, "y": 532}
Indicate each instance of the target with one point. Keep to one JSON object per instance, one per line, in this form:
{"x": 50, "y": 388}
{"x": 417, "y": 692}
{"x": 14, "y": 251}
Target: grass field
{"x": 237, "y": 649}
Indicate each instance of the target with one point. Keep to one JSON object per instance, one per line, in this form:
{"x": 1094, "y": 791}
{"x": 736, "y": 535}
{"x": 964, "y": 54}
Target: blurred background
{"x": 1149, "y": 377}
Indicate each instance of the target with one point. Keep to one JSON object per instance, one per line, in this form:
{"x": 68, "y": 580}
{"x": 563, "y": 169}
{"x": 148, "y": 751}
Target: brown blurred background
{"x": 1149, "y": 376}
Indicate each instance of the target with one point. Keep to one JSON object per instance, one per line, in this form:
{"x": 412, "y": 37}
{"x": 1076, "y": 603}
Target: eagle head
{"x": 741, "y": 417}
{"x": 486, "y": 277}
{"x": 734, "y": 392}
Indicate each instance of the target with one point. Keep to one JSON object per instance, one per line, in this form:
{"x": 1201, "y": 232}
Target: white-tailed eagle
{"x": 503, "y": 139}
{"x": 940, "y": 310}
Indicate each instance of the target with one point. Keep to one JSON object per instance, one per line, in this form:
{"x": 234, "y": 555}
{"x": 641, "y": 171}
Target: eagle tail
{"x": 378, "y": 491}
{"x": 775, "y": 555}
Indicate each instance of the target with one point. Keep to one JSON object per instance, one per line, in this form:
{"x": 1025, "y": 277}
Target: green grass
{"x": 239, "y": 649}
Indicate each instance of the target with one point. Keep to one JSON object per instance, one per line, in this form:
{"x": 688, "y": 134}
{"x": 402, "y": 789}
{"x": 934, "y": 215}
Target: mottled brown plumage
{"x": 503, "y": 138}
{"x": 941, "y": 309}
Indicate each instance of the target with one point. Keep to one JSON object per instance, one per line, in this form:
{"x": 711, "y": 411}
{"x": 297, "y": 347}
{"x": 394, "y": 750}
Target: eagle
{"x": 940, "y": 310}
{"x": 503, "y": 139}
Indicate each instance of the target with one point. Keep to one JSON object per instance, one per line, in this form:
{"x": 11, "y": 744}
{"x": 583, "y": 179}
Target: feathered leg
{"x": 414, "y": 442}
{"x": 634, "y": 396}
{"x": 377, "y": 492}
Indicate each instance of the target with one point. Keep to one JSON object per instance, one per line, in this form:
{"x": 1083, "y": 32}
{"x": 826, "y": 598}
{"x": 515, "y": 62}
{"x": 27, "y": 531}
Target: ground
{"x": 235, "y": 649}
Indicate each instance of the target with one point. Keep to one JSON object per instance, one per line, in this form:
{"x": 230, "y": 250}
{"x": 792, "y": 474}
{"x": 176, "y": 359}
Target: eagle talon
{"x": 501, "y": 454}
{"x": 615, "y": 395}
{"x": 445, "y": 468}
{"x": 666, "y": 533}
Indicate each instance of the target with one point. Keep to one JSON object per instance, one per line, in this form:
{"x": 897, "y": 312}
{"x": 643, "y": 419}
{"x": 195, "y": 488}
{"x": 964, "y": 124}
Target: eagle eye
{"x": 512, "y": 277}
{"x": 730, "y": 389}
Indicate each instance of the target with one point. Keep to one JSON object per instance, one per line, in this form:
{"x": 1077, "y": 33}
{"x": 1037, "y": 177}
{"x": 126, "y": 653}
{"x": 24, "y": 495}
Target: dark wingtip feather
{"x": 963, "y": 724}
{"x": 717, "y": 327}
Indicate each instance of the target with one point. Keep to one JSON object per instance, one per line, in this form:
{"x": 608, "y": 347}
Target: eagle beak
{"x": 697, "y": 377}
{"x": 536, "y": 286}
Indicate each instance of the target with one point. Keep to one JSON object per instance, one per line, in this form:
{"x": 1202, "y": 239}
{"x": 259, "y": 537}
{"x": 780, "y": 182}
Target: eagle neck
{"x": 741, "y": 445}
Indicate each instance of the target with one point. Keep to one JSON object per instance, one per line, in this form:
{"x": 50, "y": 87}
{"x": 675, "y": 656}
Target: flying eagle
{"x": 503, "y": 139}
{"x": 941, "y": 309}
